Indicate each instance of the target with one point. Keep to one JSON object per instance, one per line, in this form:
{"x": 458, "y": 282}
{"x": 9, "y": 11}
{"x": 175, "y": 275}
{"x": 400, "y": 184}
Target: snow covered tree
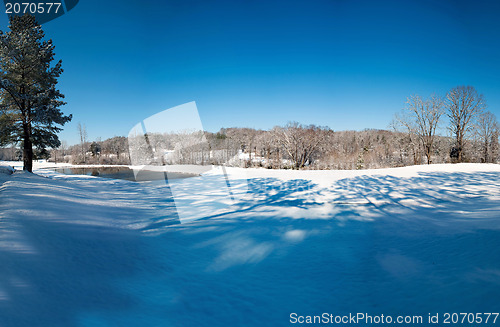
{"x": 29, "y": 100}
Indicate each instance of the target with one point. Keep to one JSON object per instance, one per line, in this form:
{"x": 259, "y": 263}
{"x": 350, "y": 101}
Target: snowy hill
{"x": 85, "y": 251}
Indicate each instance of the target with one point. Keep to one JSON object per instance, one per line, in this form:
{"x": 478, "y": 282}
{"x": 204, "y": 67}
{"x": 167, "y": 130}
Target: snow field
{"x": 85, "y": 251}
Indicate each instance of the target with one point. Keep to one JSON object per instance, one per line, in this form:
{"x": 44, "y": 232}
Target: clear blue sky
{"x": 344, "y": 64}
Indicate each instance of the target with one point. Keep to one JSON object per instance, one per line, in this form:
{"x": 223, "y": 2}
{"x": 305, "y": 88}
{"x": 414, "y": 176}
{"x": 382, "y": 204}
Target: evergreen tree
{"x": 95, "y": 148}
{"x": 29, "y": 100}
{"x": 360, "y": 164}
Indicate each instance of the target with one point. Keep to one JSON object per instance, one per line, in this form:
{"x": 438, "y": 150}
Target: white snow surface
{"x": 87, "y": 251}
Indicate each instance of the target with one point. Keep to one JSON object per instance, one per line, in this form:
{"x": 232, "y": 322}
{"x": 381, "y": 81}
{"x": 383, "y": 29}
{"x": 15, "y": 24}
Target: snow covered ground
{"x": 86, "y": 251}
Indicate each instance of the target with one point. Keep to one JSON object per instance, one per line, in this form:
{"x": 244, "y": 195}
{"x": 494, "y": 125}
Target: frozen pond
{"x": 122, "y": 173}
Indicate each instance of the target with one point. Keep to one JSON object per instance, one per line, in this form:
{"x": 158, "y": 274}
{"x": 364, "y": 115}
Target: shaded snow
{"x": 6, "y": 170}
{"x": 85, "y": 251}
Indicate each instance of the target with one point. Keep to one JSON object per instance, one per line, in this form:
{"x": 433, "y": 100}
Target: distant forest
{"x": 288, "y": 147}
{"x": 412, "y": 140}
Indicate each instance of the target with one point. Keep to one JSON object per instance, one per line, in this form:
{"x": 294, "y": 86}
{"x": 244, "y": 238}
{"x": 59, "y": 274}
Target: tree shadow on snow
{"x": 393, "y": 245}
{"x": 375, "y": 244}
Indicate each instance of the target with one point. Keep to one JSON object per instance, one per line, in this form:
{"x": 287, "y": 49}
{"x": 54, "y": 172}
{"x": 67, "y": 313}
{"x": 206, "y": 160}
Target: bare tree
{"x": 82, "y": 131}
{"x": 266, "y": 146}
{"x": 495, "y": 146}
{"x": 275, "y": 135}
{"x": 464, "y": 105}
{"x": 301, "y": 142}
{"x": 248, "y": 136}
{"x": 63, "y": 147}
{"x": 487, "y": 132}
{"x": 404, "y": 124}
{"x": 425, "y": 114}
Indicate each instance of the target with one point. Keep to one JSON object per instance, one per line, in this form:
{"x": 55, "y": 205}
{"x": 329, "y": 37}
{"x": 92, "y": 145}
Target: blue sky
{"x": 344, "y": 64}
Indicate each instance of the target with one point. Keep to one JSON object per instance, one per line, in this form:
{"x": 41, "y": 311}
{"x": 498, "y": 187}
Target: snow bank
{"x": 6, "y": 170}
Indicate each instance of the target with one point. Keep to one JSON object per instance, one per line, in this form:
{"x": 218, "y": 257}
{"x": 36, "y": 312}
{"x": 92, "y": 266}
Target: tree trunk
{"x": 28, "y": 149}
{"x": 428, "y": 154}
{"x": 459, "y": 157}
{"x": 460, "y": 147}
{"x": 486, "y": 145}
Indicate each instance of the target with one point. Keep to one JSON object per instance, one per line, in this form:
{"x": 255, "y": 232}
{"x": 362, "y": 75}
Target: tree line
{"x": 472, "y": 137}
{"x": 473, "y": 130}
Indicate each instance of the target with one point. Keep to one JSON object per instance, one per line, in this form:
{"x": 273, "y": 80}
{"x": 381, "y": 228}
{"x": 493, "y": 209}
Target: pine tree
{"x": 95, "y": 148}
{"x": 360, "y": 164}
{"x": 29, "y": 100}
